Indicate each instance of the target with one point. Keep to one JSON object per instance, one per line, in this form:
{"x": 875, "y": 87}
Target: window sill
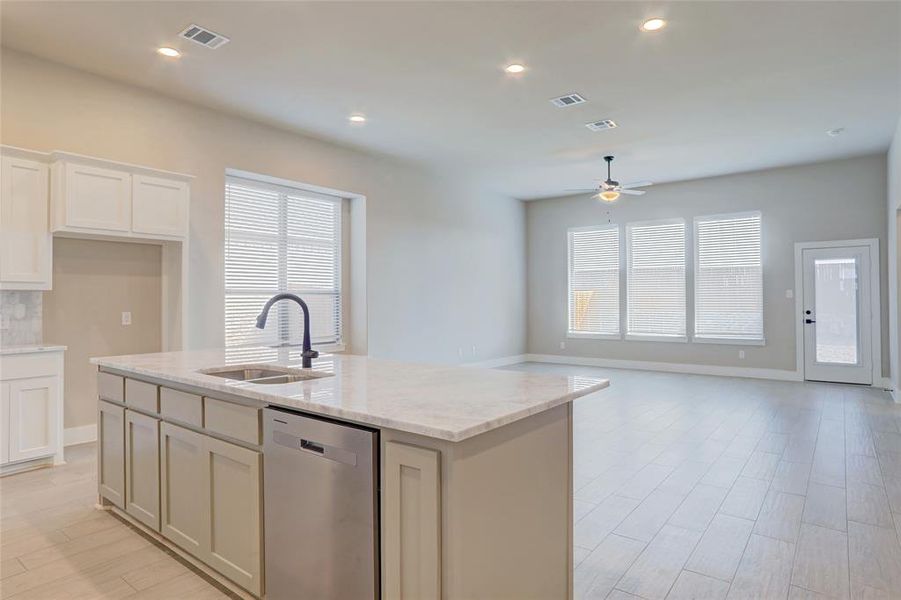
{"x": 574, "y": 335}
{"x": 679, "y": 339}
{"x": 728, "y": 341}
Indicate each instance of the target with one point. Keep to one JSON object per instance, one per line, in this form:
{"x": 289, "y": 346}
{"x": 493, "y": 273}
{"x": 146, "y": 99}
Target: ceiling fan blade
{"x": 632, "y": 192}
{"x": 582, "y": 190}
{"x": 636, "y": 184}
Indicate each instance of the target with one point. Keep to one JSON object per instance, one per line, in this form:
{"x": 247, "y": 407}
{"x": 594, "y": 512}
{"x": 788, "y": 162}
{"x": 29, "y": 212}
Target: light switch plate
{"x": 126, "y": 318}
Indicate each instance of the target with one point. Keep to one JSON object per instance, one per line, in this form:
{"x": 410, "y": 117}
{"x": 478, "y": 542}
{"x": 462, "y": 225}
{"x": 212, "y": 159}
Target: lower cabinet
{"x": 182, "y": 505}
{"x": 142, "y": 468}
{"x": 411, "y": 522}
{"x": 111, "y": 453}
{"x": 210, "y": 491}
{"x": 234, "y": 485}
{"x": 33, "y": 409}
{"x": 200, "y": 492}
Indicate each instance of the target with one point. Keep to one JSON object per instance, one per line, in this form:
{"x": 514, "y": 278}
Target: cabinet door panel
{"x": 97, "y": 198}
{"x": 159, "y": 205}
{"x": 411, "y": 522}
{"x": 183, "y": 514}
{"x": 233, "y": 485}
{"x": 33, "y": 415}
{"x": 142, "y": 468}
{"x": 25, "y": 242}
{"x": 111, "y": 453}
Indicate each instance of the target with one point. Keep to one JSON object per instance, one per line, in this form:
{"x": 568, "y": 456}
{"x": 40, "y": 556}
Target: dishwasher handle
{"x": 312, "y": 446}
{"x": 335, "y": 453}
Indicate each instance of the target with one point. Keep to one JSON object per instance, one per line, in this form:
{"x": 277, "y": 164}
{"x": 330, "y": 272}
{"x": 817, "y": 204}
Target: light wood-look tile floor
{"x": 707, "y": 487}
{"x": 55, "y": 545}
{"x": 686, "y": 487}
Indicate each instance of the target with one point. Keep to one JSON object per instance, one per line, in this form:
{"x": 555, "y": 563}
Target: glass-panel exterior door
{"x": 836, "y": 315}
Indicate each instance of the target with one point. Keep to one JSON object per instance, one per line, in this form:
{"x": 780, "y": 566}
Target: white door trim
{"x": 875, "y": 301}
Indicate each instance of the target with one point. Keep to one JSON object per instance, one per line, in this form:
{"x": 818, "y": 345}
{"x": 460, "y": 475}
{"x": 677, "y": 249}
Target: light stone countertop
{"x": 8, "y": 349}
{"x": 443, "y": 402}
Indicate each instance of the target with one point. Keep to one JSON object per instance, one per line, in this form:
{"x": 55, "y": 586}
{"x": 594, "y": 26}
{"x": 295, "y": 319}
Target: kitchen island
{"x": 473, "y": 467}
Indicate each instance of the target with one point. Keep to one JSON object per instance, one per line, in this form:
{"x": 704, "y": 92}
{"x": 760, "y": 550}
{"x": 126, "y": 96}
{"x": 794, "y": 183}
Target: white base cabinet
{"x": 31, "y": 409}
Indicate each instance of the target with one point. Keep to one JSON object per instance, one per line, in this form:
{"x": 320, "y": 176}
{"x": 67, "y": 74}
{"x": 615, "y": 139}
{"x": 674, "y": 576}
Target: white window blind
{"x": 594, "y": 281}
{"x": 728, "y": 277}
{"x": 281, "y": 239}
{"x": 655, "y": 279}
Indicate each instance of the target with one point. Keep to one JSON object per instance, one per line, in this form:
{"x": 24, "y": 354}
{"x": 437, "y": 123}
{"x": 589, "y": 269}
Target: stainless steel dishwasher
{"x": 321, "y": 508}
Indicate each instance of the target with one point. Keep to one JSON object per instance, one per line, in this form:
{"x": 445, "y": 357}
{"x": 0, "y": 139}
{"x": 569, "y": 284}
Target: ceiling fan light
{"x": 609, "y": 195}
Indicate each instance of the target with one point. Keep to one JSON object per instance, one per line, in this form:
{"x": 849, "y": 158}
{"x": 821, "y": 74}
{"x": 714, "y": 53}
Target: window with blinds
{"x": 594, "y": 281}
{"x": 281, "y": 239}
{"x": 655, "y": 279}
{"x": 728, "y": 277}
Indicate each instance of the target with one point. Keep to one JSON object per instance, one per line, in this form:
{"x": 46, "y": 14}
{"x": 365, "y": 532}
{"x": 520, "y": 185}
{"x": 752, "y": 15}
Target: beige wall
{"x": 445, "y": 259}
{"x": 825, "y": 201}
{"x": 93, "y": 284}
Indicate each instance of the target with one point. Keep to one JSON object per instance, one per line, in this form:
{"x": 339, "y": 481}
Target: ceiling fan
{"x": 610, "y": 190}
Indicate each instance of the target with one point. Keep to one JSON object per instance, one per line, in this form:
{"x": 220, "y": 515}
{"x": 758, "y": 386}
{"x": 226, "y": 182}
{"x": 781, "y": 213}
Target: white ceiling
{"x": 728, "y": 86}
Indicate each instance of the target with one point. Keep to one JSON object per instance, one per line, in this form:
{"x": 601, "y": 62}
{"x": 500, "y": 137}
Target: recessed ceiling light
{"x": 515, "y": 68}
{"x": 170, "y": 52}
{"x": 654, "y": 24}
{"x": 835, "y": 132}
{"x": 357, "y": 118}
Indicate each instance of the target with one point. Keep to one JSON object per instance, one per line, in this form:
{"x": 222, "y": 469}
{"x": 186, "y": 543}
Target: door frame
{"x": 875, "y": 302}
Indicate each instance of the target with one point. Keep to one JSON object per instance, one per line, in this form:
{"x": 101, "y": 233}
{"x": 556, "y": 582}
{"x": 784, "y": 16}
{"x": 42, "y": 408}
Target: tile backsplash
{"x": 20, "y": 318}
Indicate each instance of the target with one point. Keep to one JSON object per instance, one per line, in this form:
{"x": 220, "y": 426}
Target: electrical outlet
{"x": 473, "y": 349}
{"x": 741, "y": 354}
{"x": 789, "y": 293}
{"x": 126, "y": 318}
{"x": 563, "y": 345}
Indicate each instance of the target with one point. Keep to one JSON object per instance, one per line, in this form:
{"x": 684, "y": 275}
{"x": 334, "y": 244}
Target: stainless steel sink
{"x": 264, "y": 374}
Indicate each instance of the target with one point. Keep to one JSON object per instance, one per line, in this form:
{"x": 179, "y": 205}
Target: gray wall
{"x": 893, "y": 219}
{"x": 445, "y": 261}
{"x": 825, "y": 201}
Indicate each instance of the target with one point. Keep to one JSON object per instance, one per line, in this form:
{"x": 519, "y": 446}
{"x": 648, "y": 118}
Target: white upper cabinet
{"x": 159, "y": 205}
{"x": 26, "y": 247}
{"x": 91, "y": 196}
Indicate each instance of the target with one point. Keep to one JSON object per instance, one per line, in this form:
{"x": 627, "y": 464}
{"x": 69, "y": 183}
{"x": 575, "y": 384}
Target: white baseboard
{"x": 79, "y": 435}
{"x": 498, "y": 362}
{"x": 642, "y": 365}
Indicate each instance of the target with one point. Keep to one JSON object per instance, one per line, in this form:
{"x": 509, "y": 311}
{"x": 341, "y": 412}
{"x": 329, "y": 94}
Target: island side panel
{"x": 506, "y": 511}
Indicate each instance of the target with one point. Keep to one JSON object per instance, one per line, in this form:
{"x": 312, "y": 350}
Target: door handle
{"x": 809, "y": 321}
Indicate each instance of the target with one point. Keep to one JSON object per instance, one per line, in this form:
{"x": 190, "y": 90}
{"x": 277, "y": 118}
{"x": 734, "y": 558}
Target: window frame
{"x": 643, "y": 337}
{"x": 280, "y": 186}
{"x": 569, "y": 276}
{"x": 696, "y": 248}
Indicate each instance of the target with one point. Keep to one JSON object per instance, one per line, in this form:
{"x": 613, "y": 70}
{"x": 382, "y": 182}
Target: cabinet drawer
{"x": 233, "y": 420}
{"x": 181, "y": 406}
{"x": 141, "y": 395}
{"x": 111, "y": 387}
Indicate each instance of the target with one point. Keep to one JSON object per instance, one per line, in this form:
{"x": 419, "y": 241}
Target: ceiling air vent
{"x": 601, "y": 125}
{"x": 204, "y": 37}
{"x": 568, "y": 100}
